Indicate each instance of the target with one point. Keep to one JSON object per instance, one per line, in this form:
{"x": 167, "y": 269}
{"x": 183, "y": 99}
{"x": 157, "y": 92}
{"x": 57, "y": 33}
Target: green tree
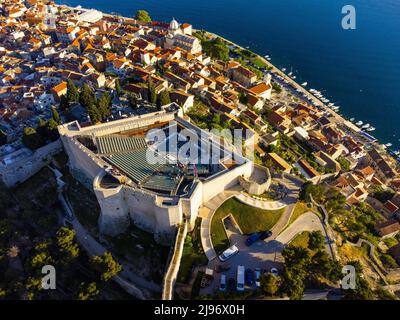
{"x": 164, "y": 98}
{"x": 64, "y": 104}
{"x": 88, "y": 291}
{"x": 243, "y": 98}
{"x": 323, "y": 266}
{"x": 216, "y": 49}
{"x": 118, "y": 87}
{"x": 72, "y": 92}
{"x": 151, "y": 91}
{"x": 106, "y": 265}
{"x": 94, "y": 113}
{"x": 32, "y": 139}
{"x": 104, "y": 105}
{"x": 66, "y": 243}
{"x": 142, "y": 16}
{"x": 55, "y": 115}
{"x": 344, "y": 163}
{"x": 51, "y": 129}
{"x": 269, "y": 284}
{"x": 316, "y": 240}
{"x": 293, "y": 283}
{"x": 87, "y": 97}
{"x": 297, "y": 260}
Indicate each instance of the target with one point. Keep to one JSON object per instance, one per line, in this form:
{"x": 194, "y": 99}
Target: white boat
{"x": 359, "y": 123}
{"x": 266, "y": 56}
{"x": 290, "y": 74}
{"x": 269, "y": 59}
{"x": 304, "y": 84}
{"x": 388, "y": 144}
{"x": 294, "y": 77}
{"x": 283, "y": 69}
{"x": 352, "y": 119}
{"x": 331, "y": 104}
{"x": 312, "y": 90}
{"x": 371, "y": 129}
{"x": 366, "y": 126}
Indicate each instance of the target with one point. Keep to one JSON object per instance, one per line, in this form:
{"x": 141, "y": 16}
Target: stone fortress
{"x": 111, "y": 159}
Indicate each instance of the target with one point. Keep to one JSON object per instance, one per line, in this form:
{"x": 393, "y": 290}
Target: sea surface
{"x": 358, "y": 69}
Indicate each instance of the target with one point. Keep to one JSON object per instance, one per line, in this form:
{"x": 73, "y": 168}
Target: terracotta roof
{"x": 260, "y": 88}
{"x": 60, "y": 87}
{"x": 390, "y": 206}
{"x": 387, "y": 227}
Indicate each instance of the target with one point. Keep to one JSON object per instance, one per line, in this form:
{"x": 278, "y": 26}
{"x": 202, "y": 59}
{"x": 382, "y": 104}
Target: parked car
{"x": 265, "y": 234}
{"x": 228, "y": 253}
{"x": 231, "y": 284}
{"x": 275, "y": 272}
{"x": 222, "y": 267}
{"x": 249, "y": 277}
{"x": 253, "y": 238}
{"x": 257, "y": 274}
{"x": 222, "y": 283}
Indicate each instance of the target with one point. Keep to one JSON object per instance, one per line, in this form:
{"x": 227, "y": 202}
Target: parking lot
{"x": 261, "y": 254}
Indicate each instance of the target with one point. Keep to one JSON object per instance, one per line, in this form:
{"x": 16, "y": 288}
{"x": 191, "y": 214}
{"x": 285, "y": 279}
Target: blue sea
{"x": 357, "y": 69}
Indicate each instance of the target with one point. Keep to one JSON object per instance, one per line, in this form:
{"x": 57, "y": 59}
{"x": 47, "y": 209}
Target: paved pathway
{"x": 261, "y": 204}
{"x": 206, "y": 213}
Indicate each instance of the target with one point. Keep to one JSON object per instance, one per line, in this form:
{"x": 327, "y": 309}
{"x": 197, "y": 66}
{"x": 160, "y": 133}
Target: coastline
{"x": 339, "y": 120}
{"x": 355, "y": 131}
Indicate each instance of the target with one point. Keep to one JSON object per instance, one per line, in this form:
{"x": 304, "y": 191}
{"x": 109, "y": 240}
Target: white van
{"x": 240, "y": 278}
{"x": 231, "y": 251}
{"x": 222, "y": 283}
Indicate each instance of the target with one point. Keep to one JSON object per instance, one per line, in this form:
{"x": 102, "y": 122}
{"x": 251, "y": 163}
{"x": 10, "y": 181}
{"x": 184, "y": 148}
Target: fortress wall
{"x": 141, "y": 208}
{"x": 114, "y": 217}
{"x": 168, "y": 218}
{"x": 191, "y": 205}
{"x": 83, "y": 163}
{"x": 218, "y": 184}
{"x": 146, "y": 211}
{"x": 19, "y": 171}
{"x": 117, "y": 125}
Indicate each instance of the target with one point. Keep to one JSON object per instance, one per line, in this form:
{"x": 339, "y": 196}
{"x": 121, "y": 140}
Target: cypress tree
{"x": 118, "y": 87}
{"x": 152, "y": 95}
{"x": 72, "y": 92}
{"x": 55, "y": 115}
{"x": 164, "y": 99}
{"x": 87, "y": 97}
{"x": 94, "y": 114}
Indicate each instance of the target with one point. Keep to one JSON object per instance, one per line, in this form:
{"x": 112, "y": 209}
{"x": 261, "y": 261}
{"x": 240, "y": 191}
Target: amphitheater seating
{"x": 115, "y": 144}
{"x": 134, "y": 164}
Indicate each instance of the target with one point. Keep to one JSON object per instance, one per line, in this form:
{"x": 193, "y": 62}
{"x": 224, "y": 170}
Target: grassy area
{"x": 300, "y": 209}
{"x": 193, "y": 254}
{"x": 301, "y": 240}
{"x": 250, "y": 220}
